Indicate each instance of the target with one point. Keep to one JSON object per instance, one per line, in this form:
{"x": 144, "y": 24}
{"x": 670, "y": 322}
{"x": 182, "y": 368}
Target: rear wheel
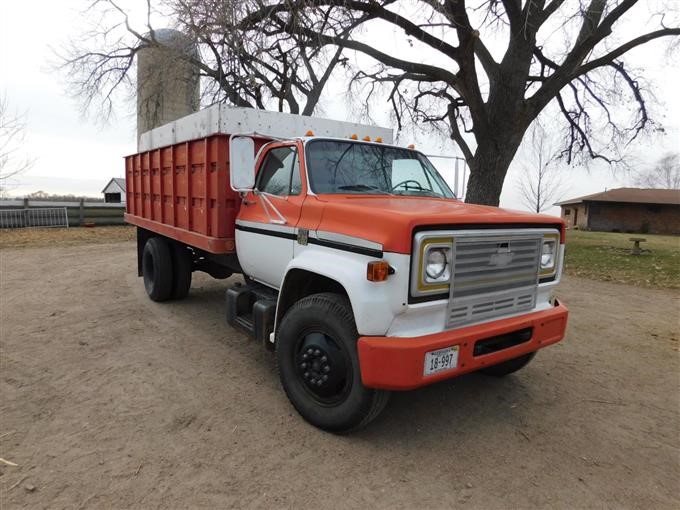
{"x": 182, "y": 262}
{"x": 157, "y": 269}
{"x": 508, "y": 367}
{"x": 316, "y": 355}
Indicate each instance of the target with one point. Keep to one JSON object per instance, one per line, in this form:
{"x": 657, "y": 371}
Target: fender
{"x": 374, "y": 304}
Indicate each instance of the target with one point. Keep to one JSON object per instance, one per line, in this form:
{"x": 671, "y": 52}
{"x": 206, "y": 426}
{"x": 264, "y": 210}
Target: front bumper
{"x": 394, "y": 363}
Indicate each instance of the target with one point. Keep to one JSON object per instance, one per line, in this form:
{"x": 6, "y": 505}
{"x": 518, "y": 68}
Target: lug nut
{"x": 319, "y": 382}
{"x": 306, "y": 375}
{"x": 324, "y": 359}
{"x": 305, "y": 356}
{"x": 326, "y": 368}
{"x": 317, "y": 352}
{"x": 303, "y": 366}
{"x": 325, "y": 378}
{"x": 310, "y": 351}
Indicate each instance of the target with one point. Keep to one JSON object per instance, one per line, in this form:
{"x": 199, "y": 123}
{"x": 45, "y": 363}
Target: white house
{"x": 114, "y": 192}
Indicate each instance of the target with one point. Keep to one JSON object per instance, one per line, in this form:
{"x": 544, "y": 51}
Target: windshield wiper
{"x": 363, "y": 187}
{"x": 422, "y": 192}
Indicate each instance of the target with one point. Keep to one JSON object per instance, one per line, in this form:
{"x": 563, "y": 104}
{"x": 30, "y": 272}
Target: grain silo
{"x": 167, "y": 84}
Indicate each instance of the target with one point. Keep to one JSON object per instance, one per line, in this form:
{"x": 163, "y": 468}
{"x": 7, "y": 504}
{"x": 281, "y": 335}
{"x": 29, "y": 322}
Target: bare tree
{"x": 240, "y": 65}
{"x": 541, "y": 184}
{"x": 566, "y": 53}
{"x": 665, "y": 174}
{"x": 255, "y": 69}
{"x": 12, "y": 136}
{"x": 442, "y": 72}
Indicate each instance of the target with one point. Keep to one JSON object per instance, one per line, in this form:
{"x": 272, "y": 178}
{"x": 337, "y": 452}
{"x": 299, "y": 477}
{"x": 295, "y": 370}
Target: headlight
{"x": 437, "y": 266}
{"x": 432, "y": 265}
{"x": 549, "y": 254}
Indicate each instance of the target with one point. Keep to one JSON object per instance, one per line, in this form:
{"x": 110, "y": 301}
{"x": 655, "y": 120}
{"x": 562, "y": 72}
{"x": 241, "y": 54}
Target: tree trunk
{"x": 488, "y": 169}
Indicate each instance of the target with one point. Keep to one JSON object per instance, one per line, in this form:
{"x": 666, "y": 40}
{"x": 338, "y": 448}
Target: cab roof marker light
{"x": 354, "y": 137}
{"x": 309, "y": 133}
{"x": 366, "y": 138}
{"x": 378, "y": 140}
{"x": 411, "y": 146}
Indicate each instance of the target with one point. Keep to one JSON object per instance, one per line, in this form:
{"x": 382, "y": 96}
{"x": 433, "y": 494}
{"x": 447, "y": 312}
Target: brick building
{"x": 654, "y": 211}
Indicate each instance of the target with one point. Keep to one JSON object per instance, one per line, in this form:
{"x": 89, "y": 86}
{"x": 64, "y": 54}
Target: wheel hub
{"x": 321, "y": 365}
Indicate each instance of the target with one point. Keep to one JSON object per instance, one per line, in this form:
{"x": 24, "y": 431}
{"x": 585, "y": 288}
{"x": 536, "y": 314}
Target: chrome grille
{"x": 492, "y": 276}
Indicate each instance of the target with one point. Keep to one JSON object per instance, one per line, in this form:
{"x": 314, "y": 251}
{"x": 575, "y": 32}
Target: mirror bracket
{"x": 244, "y": 197}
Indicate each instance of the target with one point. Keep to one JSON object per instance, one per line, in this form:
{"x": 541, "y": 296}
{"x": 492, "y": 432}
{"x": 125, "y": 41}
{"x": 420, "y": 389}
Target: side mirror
{"x": 242, "y": 163}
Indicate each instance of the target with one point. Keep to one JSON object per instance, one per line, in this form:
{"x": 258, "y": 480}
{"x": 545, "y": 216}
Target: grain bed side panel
{"x": 182, "y": 191}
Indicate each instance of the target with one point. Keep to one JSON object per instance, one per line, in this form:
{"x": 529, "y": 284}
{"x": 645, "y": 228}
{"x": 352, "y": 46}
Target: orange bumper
{"x": 394, "y": 363}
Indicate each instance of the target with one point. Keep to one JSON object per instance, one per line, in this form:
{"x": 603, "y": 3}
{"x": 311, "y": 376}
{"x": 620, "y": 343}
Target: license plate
{"x": 440, "y": 360}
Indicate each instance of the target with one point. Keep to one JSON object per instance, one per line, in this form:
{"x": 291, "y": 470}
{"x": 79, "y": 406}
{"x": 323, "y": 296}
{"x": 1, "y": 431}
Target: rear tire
{"x": 157, "y": 269}
{"x": 508, "y": 367}
{"x": 183, "y": 263}
{"x": 316, "y": 354}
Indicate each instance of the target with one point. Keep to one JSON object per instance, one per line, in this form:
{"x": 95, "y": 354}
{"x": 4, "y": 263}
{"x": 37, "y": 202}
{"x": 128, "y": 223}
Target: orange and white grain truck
{"x": 361, "y": 269}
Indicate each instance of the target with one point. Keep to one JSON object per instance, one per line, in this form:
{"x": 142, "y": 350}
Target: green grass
{"x": 607, "y": 256}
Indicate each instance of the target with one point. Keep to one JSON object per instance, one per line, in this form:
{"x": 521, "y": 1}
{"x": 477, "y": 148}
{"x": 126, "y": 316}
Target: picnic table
{"x": 636, "y": 247}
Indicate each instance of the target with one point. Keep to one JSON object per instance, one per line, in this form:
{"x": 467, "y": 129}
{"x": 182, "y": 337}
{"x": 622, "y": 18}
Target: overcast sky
{"x": 79, "y": 156}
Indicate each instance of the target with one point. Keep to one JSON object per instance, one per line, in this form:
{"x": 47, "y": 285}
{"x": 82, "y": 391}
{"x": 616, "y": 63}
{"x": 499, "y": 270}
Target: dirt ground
{"x": 109, "y": 400}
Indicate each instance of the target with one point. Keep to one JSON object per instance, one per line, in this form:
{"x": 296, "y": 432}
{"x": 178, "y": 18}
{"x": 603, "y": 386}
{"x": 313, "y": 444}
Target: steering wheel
{"x": 405, "y": 183}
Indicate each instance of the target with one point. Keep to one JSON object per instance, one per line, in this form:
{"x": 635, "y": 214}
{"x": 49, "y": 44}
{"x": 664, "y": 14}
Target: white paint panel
{"x": 420, "y": 319}
{"x": 231, "y": 120}
{"x": 264, "y": 257}
{"x": 374, "y": 303}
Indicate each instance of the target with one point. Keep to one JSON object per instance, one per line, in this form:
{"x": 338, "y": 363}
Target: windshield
{"x": 337, "y": 166}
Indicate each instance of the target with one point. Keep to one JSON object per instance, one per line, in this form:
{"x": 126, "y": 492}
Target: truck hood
{"x": 391, "y": 221}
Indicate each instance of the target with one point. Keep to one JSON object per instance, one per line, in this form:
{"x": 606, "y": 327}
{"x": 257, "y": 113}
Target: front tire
{"x": 316, "y": 354}
{"x": 508, "y": 367}
{"x": 157, "y": 269}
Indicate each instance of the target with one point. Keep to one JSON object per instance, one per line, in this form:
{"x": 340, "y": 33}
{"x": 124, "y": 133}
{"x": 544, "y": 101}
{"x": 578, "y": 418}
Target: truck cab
{"x": 365, "y": 274}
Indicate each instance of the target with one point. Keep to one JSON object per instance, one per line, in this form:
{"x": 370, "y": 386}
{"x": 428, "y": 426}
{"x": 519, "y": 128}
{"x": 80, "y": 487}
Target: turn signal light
{"x": 309, "y": 133}
{"x": 354, "y": 137}
{"x": 377, "y": 271}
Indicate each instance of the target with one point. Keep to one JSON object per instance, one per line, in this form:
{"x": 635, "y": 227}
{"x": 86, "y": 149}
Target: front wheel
{"x": 508, "y": 367}
{"x": 316, "y": 354}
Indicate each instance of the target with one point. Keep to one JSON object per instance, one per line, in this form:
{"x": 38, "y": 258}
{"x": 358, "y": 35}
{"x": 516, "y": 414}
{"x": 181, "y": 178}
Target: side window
{"x": 280, "y": 173}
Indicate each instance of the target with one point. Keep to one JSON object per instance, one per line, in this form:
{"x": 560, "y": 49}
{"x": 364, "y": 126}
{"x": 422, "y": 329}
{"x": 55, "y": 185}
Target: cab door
{"x": 265, "y": 228}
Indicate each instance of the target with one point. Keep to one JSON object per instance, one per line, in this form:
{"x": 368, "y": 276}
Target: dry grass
{"x": 41, "y": 237}
{"x": 607, "y": 256}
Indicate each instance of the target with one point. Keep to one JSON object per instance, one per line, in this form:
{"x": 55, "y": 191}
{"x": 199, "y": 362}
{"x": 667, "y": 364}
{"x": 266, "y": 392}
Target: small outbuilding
{"x": 114, "y": 192}
{"x": 654, "y": 211}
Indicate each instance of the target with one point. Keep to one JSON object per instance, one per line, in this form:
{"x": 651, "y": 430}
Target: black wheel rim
{"x": 323, "y": 367}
